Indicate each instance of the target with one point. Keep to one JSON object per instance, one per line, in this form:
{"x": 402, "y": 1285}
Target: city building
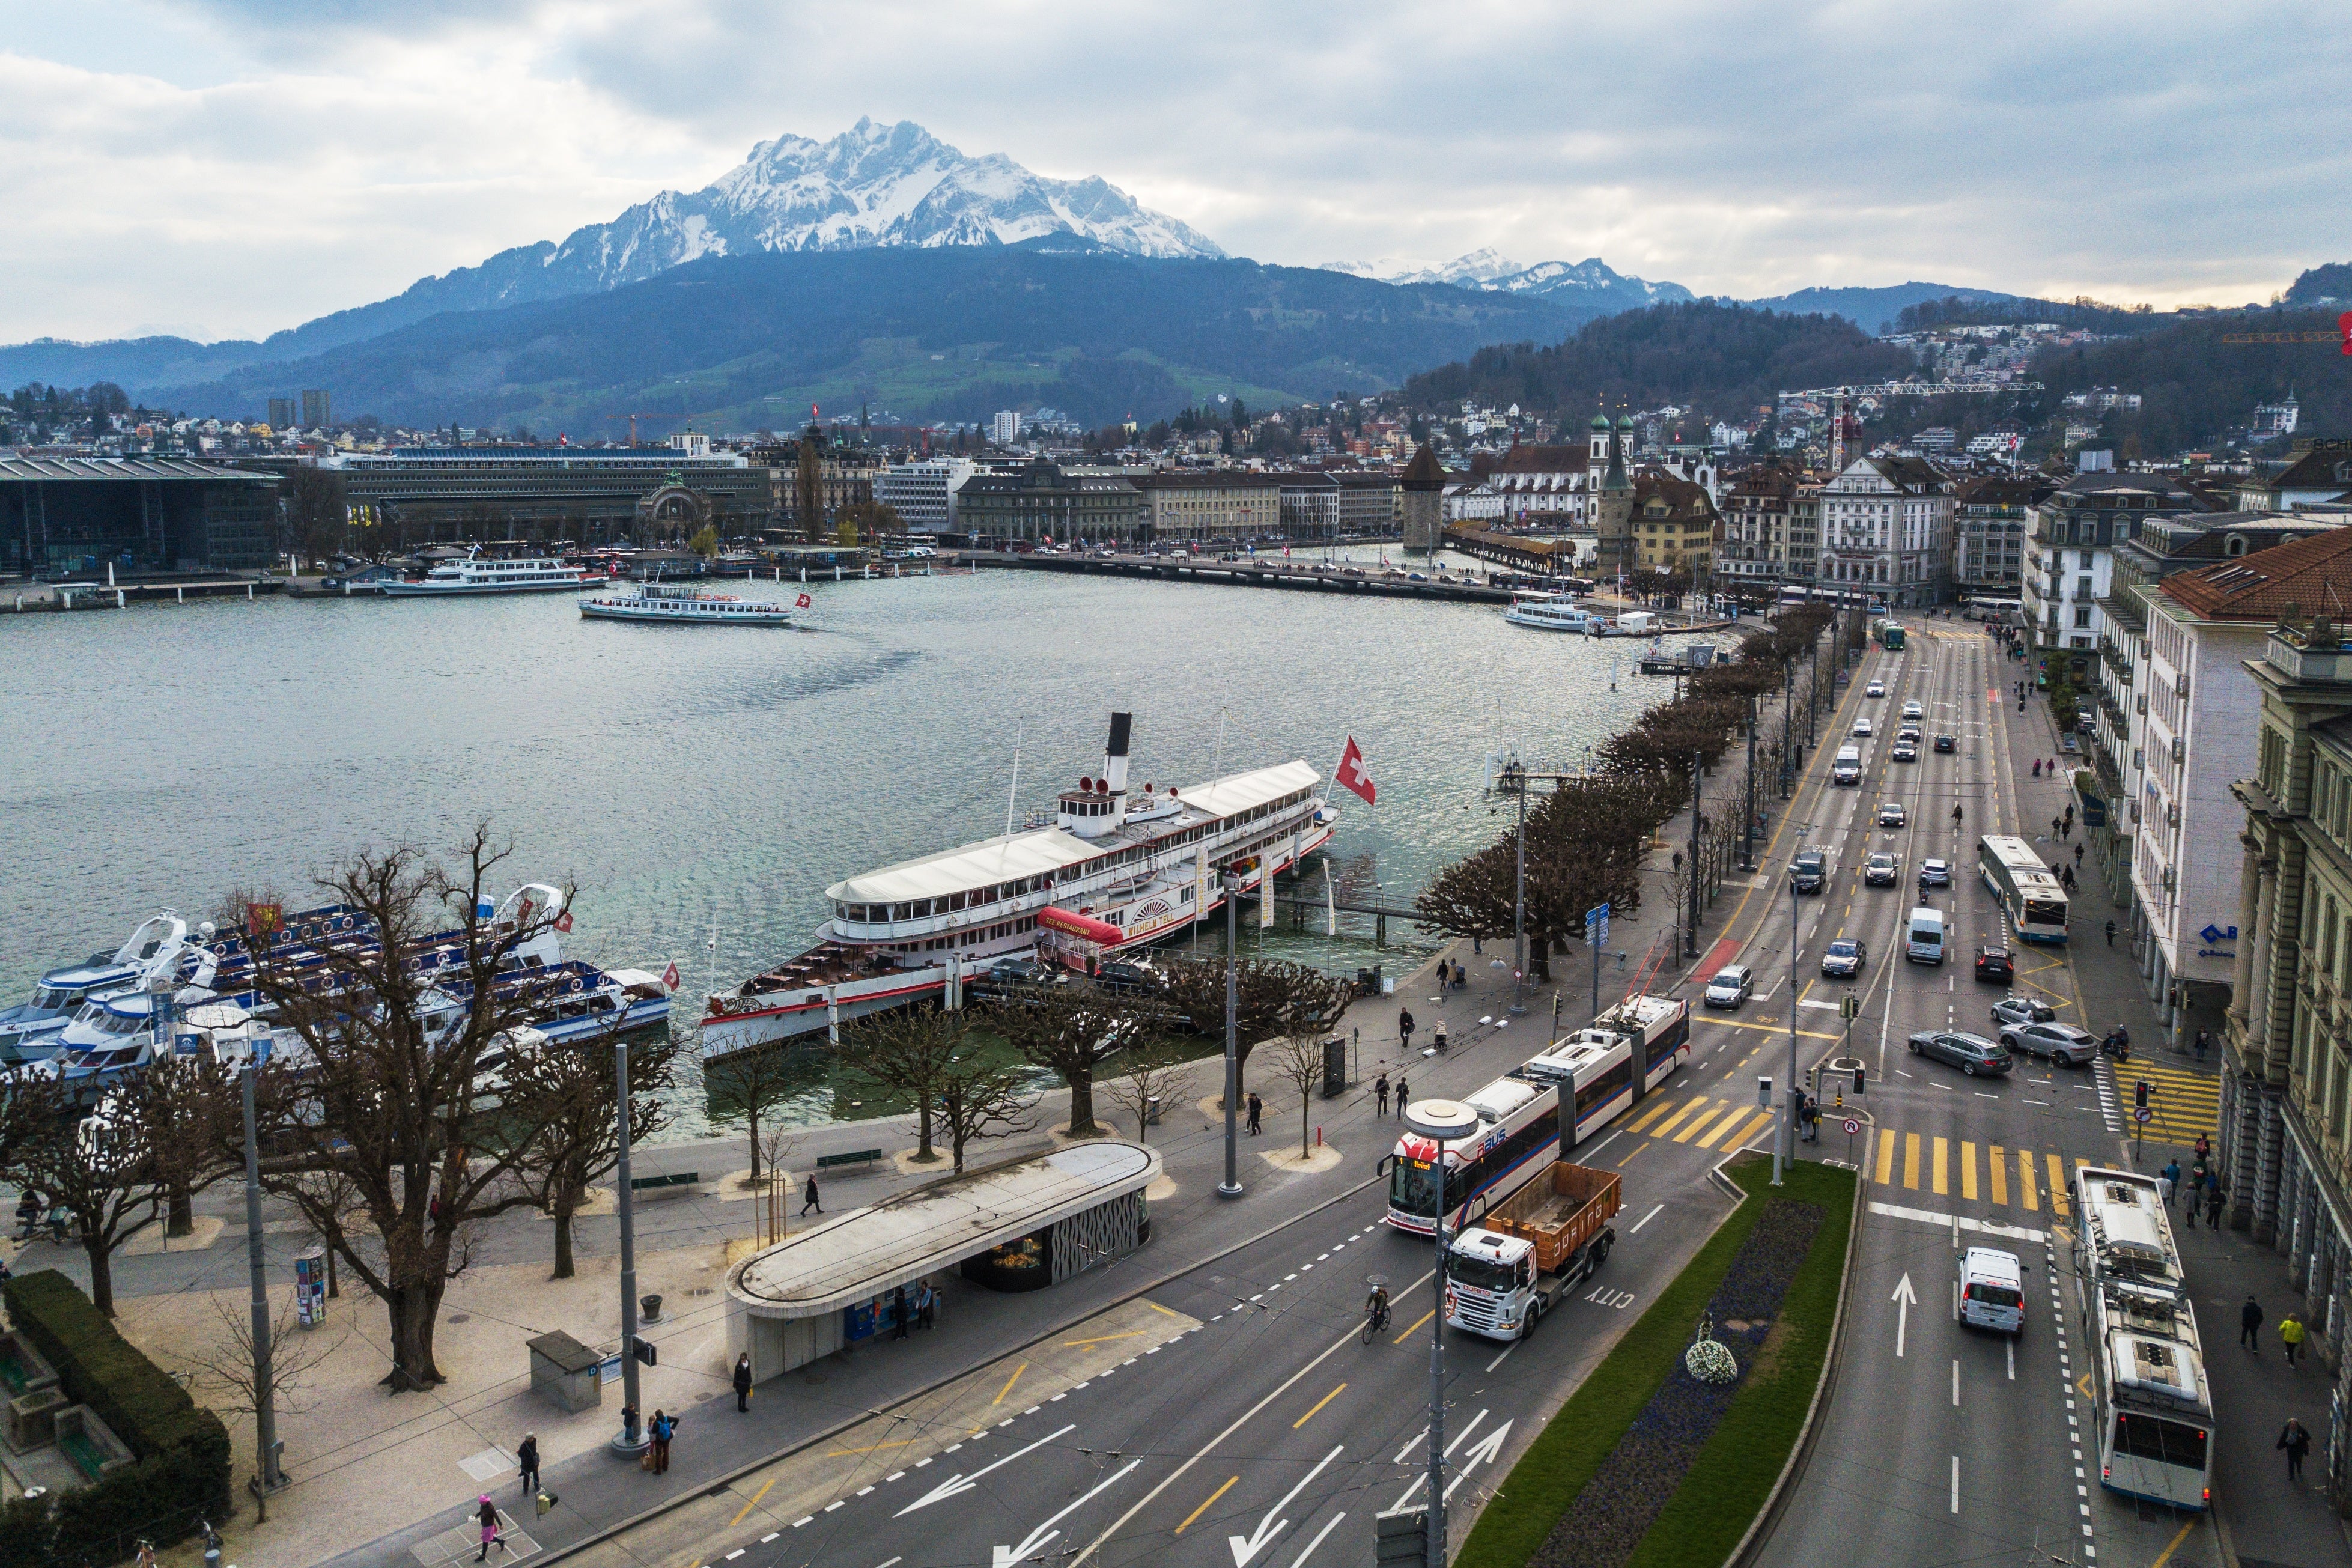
{"x": 844, "y": 478}
{"x": 2315, "y": 473}
{"x": 1465, "y": 501}
{"x": 1675, "y": 528}
{"x": 923, "y": 492}
{"x": 137, "y": 514}
{"x": 281, "y": 412}
{"x": 1308, "y": 503}
{"x": 1370, "y": 504}
{"x": 1041, "y": 501}
{"x": 1213, "y": 504}
{"x": 2070, "y": 551}
{"x": 589, "y": 494}
{"x": 1989, "y": 516}
{"x": 2286, "y": 1080}
{"x": 1757, "y": 513}
{"x": 1004, "y": 426}
{"x": 1887, "y": 523}
{"x": 1545, "y": 486}
{"x": 317, "y": 410}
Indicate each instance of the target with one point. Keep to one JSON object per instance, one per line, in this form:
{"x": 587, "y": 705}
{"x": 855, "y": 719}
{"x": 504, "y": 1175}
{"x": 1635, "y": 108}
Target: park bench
{"x": 658, "y": 1183}
{"x": 850, "y": 1161}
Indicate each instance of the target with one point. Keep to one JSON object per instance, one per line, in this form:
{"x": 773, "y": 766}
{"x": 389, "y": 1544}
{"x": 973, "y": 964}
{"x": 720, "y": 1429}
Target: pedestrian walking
{"x": 2296, "y": 1443}
{"x": 2189, "y": 1205}
{"x": 1401, "y": 1092}
{"x": 2213, "y": 1206}
{"x": 2291, "y": 1335}
{"x": 1477, "y": 945}
{"x": 2037, "y": 767}
{"x": 487, "y": 1513}
{"x": 1461, "y": 978}
{"x": 2204, "y": 1038}
{"x": 1404, "y": 1026}
{"x": 2170, "y": 1173}
{"x": 2078, "y": 855}
{"x": 2250, "y": 1325}
{"x": 2054, "y": 827}
{"x": 527, "y": 1461}
{"x": 927, "y": 1306}
{"x": 809, "y": 1201}
{"x": 898, "y": 1311}
{"x": 743, "y": 1383}
{"x": 1380, "y": 1092}
{"x": 2111, "y": 933}
{"x": 1256, "y": 1110}
{"x": 663, "y": 1428}
{"x": 2204, "y": 1148}
{"x": 2164, "y": 1185}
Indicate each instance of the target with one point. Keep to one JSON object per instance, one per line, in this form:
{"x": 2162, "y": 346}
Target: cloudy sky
{"x": 223, "y": 168}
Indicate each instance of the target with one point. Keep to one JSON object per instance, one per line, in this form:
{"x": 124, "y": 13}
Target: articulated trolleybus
{"x": 2152, "y": 1410}
{"x": 1533, "y": 1114}
{"x": 2031, "y": 896}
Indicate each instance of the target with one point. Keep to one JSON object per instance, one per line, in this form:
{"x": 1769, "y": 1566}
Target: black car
{"x": 1121, "y": 976}
{"x": 1945, "y": 743}
{"x": 1013, "y": 972}
{"x": 1993, "y": 963}
{"x": 1807, "y": 872}
{"x": 1972, "y": 1054}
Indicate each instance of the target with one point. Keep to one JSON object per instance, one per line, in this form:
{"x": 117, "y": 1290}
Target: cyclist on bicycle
{"x": 1376, "y": 1307}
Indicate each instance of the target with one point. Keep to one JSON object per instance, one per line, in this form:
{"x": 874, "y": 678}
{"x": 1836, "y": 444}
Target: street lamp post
{"x": 631, "y": 1439}
{"x": 1518, "y": 786}
{"x": 1231, "y": 1187}
{"x": 1440, "y": 1121}
{"x": 1690, "y": 948}
{"x": 265, "y": 1401}
{"x": 1747, "y": 832}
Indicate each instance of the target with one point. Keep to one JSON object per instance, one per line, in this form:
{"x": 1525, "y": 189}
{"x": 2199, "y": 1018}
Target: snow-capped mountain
{"x": 1588, "y": 282}
{"x": 871, "y": 185}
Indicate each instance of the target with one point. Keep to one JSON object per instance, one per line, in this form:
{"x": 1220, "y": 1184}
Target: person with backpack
{"x": 2295, "y": 1442}
{"x": 742, "y": 1381}
{"x": 1404, "y": 1026}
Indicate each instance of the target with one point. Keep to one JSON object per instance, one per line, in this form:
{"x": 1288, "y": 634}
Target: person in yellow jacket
{"x": 2291, "y": 1331}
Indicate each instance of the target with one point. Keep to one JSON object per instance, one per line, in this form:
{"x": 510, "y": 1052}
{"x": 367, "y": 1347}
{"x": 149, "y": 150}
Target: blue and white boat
{"x": 1551, "y": 613}
{"x": 28, "y": 1031}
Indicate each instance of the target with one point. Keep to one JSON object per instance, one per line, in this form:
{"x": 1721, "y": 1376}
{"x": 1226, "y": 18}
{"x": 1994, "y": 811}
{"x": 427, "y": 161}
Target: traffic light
{"x": 1859, "y": 1073}
{"x": 2139, "y": 1094}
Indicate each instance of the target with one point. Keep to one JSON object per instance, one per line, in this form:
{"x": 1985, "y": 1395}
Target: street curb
{"x": 620, "y": 1527}
{"x": 1776, "y": 1504}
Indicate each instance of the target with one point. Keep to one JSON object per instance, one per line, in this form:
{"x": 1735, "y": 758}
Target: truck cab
{"x": 1502, "y": 1275}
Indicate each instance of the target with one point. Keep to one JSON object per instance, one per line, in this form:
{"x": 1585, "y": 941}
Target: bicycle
{"x": 1376, "y": 1319}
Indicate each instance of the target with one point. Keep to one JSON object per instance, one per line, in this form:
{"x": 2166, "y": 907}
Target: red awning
{"x": 1078, "y": 925}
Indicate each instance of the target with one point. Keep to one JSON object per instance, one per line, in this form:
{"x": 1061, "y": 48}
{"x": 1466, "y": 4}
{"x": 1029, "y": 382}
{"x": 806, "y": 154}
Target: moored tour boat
{"x": 1111, "y": 872}
{"x": 479, "y": 573}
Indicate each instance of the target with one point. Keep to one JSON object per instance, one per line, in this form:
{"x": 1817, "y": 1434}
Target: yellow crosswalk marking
{"x": 2026, "y": 1178}
{"x": 2058, "y": 1204}
{"x": 1762, "y": 1120}
{"x": 1942, "y": 1149}
{"x": 1967, "y": 1171}
{"x": 2182, "y": 1104}
{"x": 1722, "y": 1127}
{"x": 1885, "y": 1157}
{"x": 1911, "y": 1161}
{"x": 1998, "y": 1166}
{"x": 1660, "y": 1109}
{"x": 1704, "y": 1118}
{"x": 1667, "y": 1126}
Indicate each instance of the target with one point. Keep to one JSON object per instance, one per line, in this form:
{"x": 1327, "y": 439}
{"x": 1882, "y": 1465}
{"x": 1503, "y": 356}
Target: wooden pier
{"x": 96, "y": 595}
{"x": 1298, "y": 576}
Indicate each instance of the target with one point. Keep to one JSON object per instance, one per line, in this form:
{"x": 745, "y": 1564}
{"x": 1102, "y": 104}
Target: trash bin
{"x": 1152, "y": 1110}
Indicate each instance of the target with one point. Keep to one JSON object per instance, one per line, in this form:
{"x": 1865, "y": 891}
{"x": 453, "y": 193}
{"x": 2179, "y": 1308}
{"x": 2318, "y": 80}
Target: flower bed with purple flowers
{"x": 1647, "y": 1466}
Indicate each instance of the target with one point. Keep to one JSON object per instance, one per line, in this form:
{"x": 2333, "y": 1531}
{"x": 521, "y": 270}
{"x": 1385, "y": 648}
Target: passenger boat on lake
{"x": 677, "y": 604}
{"x": 479, "y": 573}
{"x": 1110, "y": 871}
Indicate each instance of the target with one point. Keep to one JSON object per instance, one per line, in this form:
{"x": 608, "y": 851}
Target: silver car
{"x": 2021, "y": 1010}
{"x": 1729, "y": 987}
{"x": 2064, "y": 1044}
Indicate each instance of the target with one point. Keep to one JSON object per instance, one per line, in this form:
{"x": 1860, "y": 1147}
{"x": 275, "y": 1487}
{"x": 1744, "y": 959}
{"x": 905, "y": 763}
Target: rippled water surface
{"x": 697, "y": 777}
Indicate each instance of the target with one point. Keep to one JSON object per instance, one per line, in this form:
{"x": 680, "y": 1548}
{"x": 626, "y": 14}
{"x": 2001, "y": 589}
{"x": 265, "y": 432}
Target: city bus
{"x": 2151, "y": 1406}
{"x": 1890, "y": 635}
{"x": 2028, "y": 894}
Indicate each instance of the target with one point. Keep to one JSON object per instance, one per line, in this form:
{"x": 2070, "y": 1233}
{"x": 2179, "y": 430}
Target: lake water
{"x": 693, "y": 779}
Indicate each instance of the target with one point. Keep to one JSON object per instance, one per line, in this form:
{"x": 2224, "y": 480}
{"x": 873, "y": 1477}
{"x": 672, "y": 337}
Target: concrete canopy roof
{"x": 857, "y": 1255}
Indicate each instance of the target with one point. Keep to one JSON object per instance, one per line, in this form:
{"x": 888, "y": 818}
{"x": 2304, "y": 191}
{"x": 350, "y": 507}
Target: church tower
{"x": 1613, "y": 504}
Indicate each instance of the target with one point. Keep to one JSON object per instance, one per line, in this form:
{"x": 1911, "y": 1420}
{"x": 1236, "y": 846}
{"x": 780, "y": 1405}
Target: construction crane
{"x": 2342, "y": 335}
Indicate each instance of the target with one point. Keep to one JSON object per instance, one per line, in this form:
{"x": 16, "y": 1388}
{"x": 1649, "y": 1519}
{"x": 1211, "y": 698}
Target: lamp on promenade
{"x": 1440, "y": 1122}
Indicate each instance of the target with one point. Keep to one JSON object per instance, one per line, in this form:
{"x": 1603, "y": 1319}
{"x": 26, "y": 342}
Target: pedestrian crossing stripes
{"x": 2034, "y": 1181}
{"x": 1702, "y": 1120}
{"x": 2181, "y": 1104}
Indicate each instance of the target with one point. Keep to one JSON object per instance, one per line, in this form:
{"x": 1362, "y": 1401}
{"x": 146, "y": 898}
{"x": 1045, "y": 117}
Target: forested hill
{"x": 952, "y": 331}
{"x": 1721, "y": 361}
{"x": 2195, "y": 389}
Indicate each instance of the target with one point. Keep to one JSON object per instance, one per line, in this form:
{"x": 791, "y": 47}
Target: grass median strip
{"x": 1714, "y": 1499}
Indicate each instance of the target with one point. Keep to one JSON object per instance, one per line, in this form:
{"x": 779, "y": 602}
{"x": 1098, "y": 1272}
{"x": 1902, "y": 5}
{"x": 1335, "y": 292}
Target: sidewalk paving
{"x": 2265, "y": 1522}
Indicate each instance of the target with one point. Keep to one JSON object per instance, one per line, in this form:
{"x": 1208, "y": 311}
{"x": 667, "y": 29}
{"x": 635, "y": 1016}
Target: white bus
{"x": 2028, "y": 894}
{"x": 2151, "y": 1407}
{"x": 1593, "y": 1070}
{"x": 1517, "y": 1139}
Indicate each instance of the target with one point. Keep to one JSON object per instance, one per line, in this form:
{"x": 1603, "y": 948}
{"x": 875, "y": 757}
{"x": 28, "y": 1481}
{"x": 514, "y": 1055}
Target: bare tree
{"x": 394, "y": 1097}
{"x": 1298, "y": 1062}
{"x": 1274, "y": 997}
{"x": 933, "y": 1049}
{"x": 1146, "y": 1073}
{"x": 1072, "y": 1031}
{"x": 221, "y": 1363}
{"x": 755, "y": 1081}
{"x": 562, "y": 1108}
{"x": 910, "y": 1052}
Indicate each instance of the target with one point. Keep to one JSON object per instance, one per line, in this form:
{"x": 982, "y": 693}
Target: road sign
{"x": 1596, "y": 925}
{"x": 2144, "y": 1114}
{"x": 1851, "y": 1127}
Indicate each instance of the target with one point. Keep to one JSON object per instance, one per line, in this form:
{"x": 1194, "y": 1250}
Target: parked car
{"x": 2021, "y": 1010}
{"x": 1862, "y": 725}
{"x": 1935, "y": 874}
{"x": 1945, "y": 743}
{"x": 2064, "y": 1044}
{"x": 1993, "y": 963}
{"x": 1912, "y": 710}
{"x": 1892, "y": 815}
{"x": 1881, "y": 870}
{"x": 1729, "y": 987}
{"x": 1845, "y": 958}
{"x": 1905, "y": 752}
{"x": 1972, "y": 1054}
{"x": 1876, "y": 688}
{"x": 1126, "y": 975}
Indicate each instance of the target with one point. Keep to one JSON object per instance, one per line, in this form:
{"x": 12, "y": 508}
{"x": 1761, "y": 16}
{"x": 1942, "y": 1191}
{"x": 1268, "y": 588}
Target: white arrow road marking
{"x": 1904, "y": 1298}
{"x": 1246, "y": 1547}
{"x": 1036, "y": 1539}
{"x": 1467, "y": 1429}
{"x": 1486, "y": 1449}
{"x": 1301, "y": 1560}
{"x": 961, "y": 1483}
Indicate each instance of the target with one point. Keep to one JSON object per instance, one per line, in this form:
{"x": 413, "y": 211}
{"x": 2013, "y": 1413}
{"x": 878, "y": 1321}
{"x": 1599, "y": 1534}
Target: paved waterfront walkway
{"x": 2265, "y": 1522}
{"x": 378, "y": 1478}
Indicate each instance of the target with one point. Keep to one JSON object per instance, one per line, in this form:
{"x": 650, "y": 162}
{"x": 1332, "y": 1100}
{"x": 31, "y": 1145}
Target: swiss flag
{"x": 669, "y": 975}
{"x": 1353, "y": 776}
{"x": 564, "y": 921}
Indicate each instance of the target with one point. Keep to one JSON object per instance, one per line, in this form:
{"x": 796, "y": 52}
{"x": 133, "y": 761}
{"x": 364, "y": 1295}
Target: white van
{"x": 1923, "y": 941}
{"x": 1846, "y": 768}
{"x": 1992, "y": 1294}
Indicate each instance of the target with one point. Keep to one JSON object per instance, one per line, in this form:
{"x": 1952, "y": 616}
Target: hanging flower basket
{"x": 1711, "y": 1361}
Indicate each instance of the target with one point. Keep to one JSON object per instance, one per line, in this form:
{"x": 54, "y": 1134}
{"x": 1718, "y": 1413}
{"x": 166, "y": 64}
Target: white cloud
{"x": 253, "y": 162}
